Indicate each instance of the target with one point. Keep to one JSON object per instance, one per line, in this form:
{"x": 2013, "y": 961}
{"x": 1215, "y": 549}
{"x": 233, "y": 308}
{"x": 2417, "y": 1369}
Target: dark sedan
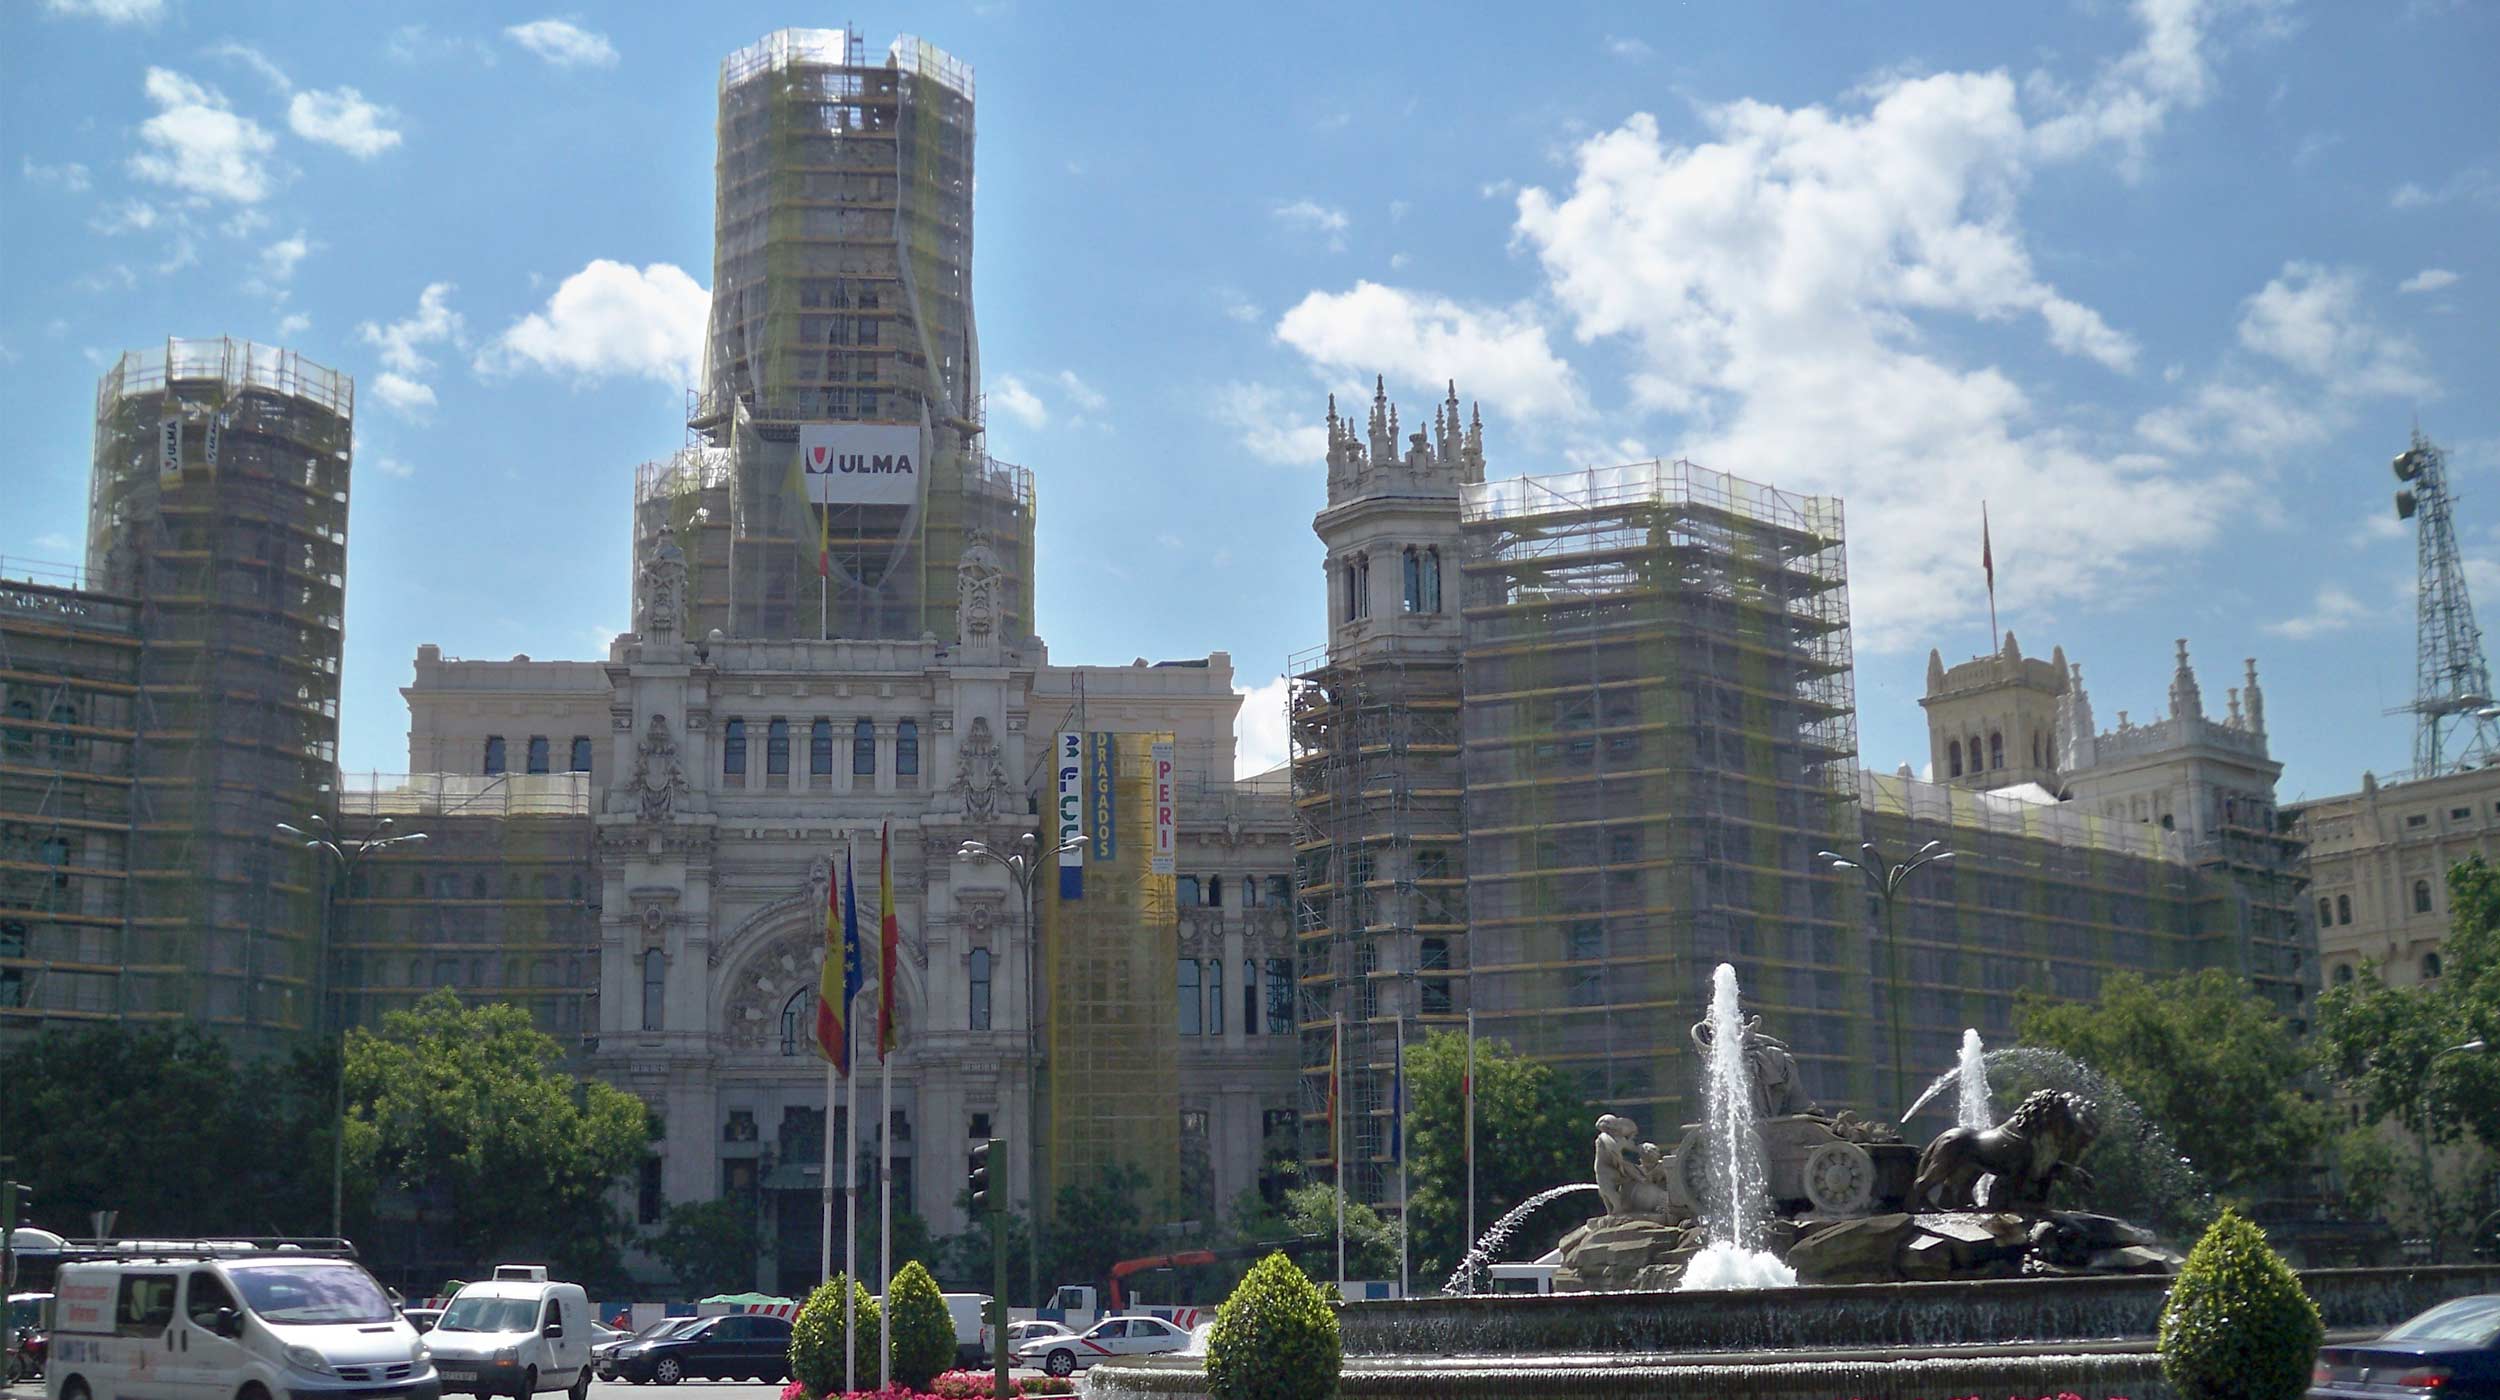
{"x": 2451, "y": 1352}
{"x": 741, "y": 1346}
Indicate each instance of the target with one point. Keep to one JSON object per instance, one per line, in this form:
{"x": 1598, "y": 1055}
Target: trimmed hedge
{"x": 2238, "y": 1325}
{"x": 816, "y": 1337}
{"x": 1275, "y": 1339}
{"x": 923, "y": 1330}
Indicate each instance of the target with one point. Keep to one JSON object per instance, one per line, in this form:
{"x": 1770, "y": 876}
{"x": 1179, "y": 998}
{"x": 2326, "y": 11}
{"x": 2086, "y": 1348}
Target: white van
{"x": 515, "y": 1335}
{"x": 192, "y": 1320}
{"x": 971, "y": 1312}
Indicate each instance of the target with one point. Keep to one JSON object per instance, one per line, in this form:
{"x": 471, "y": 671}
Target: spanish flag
{"x": 833, "y": 1001}
{"x": 889, "y": 944}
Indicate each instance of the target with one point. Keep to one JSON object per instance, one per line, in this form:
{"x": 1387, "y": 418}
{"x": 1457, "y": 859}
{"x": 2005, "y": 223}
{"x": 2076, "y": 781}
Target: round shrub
{"x": 2238, "y": 1325}
{"x": 1275, "y": 1338}
{"x": 923, "y": 1330}
{"x": 816, "y": 1337}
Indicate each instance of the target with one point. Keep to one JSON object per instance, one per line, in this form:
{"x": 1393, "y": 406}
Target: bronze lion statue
{"x": 2028, "y": 1153}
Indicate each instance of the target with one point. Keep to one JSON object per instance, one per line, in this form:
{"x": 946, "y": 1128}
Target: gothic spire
{"x": 2186, "y": 701}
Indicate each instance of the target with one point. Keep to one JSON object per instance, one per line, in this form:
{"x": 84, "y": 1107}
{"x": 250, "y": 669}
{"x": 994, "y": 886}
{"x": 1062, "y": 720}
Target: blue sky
{"x": 2164, "y": 283}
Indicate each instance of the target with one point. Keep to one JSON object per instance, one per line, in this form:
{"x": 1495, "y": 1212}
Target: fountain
{"x": 1462, "y": 1279}
{"x": 1739, "y": 1207}
{"x": 1971, "y": 1077}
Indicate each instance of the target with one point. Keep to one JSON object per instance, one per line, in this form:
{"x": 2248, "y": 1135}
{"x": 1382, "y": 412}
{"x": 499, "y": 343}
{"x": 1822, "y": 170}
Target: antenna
{"x": 2457, "y": 724}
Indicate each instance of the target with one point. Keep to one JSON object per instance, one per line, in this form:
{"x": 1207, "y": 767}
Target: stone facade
{"x": 2378, "y": 865}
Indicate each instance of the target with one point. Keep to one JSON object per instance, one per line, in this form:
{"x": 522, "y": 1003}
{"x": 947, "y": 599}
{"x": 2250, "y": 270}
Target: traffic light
{"x": 978, "y": 1180}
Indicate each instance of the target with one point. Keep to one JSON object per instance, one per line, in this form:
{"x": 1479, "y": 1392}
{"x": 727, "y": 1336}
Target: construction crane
{"x": 2457, "y": 725}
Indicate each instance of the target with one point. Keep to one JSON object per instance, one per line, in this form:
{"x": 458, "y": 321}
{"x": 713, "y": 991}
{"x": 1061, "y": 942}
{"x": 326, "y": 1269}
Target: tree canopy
{"x": 1532, "y": 1132}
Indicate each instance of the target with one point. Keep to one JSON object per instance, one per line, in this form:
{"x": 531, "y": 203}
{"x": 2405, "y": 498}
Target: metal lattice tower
{"x": 2452, "y": 686}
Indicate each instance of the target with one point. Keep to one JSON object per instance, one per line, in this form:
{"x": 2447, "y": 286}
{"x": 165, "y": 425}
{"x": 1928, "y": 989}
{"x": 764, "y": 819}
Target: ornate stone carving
{"x": 977, "y": 582}
{"x": 1777, "y": 1090}
{"x": 980, "y": 777}
{"x": 663, "y": 588}
{"x": 658, "y": 779}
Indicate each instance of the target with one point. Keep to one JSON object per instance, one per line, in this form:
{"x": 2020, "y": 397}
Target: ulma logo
{"x": 880, "y": 464}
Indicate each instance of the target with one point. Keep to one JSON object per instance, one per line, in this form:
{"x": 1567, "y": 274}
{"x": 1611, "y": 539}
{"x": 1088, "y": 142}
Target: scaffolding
{"x": 842, "y": 293}
{"x": 1659, "y": 731}
{"x": 1111, "y": 966}
{"x": 218, "y": 506}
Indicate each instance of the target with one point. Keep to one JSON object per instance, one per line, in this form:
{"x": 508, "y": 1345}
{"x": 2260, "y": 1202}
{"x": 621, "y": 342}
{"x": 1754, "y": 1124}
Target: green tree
{"x": 923, "y": 1331}
{"x": 710, "y": 1246}
{"x": 816, "y": 1336}
{"x": 2206, "y": 1059}
{"x": 1532, "y": 1133}
{"x": 1310, "y": 1212}
{"x": 1275, "y": 1338}
{"x": 467, "y": 1113}
{"x": 1096, "y": 1224}
{"x": 2237, "y": 1325}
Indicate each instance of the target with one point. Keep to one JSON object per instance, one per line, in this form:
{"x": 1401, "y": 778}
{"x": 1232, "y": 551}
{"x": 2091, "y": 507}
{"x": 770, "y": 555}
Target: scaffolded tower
{"x": 1659, "y": 732}
{"x": 219, "y": 504}
{"x": 2458, "y": 725}
{"x": 842, "y": 293}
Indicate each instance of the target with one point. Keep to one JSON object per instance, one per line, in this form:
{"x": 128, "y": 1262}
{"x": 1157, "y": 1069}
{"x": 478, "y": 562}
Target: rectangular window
{"x": 777, "y": 748}
{"x": 980, "y": 1126}
{"x": 538, "y": 756}
{"x": 581, "y": 753}
{"x": 1249, "y": 996}
{"x": 863, "y": 750}
{"x": 1192, "y": 1013}
{"x": 1215, "y": 996}
{"x": 494, "y": 754}
{"x": 1280, "y": 890}
{"x": 1280, "y": 1019}
{"x": 820, "y": 748}
{"x": 146, "y": 1304}
{"x": 649, "y": 1204}
{"x": 2460, "y": 813}
{"x": 2418, "y": 819}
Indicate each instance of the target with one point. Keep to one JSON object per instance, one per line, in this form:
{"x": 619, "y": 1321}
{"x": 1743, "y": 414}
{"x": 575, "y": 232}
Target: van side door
{"x": 209, "y": 1364}
{"x": 144, "y": 1339}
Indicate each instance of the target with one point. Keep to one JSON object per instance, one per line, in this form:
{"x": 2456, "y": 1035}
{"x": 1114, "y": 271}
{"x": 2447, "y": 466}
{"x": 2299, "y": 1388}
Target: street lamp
{"x": 347, "y": 853}
{"x": 1022, "y": 863}
{"x": 2422, "y": 1134}
{"x": 1884, "y": 879}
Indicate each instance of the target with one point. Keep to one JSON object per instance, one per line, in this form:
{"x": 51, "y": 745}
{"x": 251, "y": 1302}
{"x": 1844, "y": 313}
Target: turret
{"x": 2186, "y": 701}
{"x": 1935, "y": 670}
{"x": 2253, "y": 701}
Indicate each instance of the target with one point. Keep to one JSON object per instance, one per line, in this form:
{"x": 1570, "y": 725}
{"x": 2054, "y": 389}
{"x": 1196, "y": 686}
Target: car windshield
{"x": 331, "y": 1293}
{"x": 667, "y": 1326}
{"x": 468, "y": 1314}
{"x": 2460, "y": 1320}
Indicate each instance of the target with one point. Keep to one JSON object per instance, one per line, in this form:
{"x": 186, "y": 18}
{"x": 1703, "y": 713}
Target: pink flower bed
{"x": 953, "y": 1385}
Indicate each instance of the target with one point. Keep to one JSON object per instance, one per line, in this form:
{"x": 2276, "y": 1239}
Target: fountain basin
{"x": 2134, "y": 1372}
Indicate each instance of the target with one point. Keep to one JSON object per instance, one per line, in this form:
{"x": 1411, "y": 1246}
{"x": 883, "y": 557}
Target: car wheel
{"x": 529, "y": 1385}
{"x": 668, "y": 1372}
{"x": 1062, "y": 1363}
{"x": 580, "y": 1389}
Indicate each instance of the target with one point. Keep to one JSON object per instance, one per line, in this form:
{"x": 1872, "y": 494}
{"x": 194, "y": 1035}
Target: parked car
{"x": 1019, "y": 1334}
{"x": 516, "y": 1334}
{"x": 603, "y": 1356}
{"x": 1115, "y": 1336}
{"x": 2452, "y": 1351}
{"x": 423, "y": 1319}
{"x": 740, "y": 1346}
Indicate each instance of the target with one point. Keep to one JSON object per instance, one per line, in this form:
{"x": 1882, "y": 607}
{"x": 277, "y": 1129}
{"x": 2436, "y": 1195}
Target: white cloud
{"x": 564, "y": 44}
{"x": 1499, "y": 354}
{"x": 2315, "y": 319}
{"x": 255, "y": 60}
{"x": 1085, "y": 395}
{"x": 1310, "y": 216}
{"x": 278, "y": 261}
{"x": 1008, "y": 395}
{"x": 403, "y": 344}
{"x": 56, "y": 542}
{"x": 1260, "y": 736}
{"x": 393, "y": 467}
{"x": 2476, "y": 183}
{"x": 611, "y": 319}
{"x": 2429, "y": 279}
{"x": 2334, "y": 610}
{"x": 196, "y": 144}
{"x": 293, "y": 325}
{"x": 343, "y": 118}
{"x": 2130, "y": 99}
{"x": 111, "y": 11}
{"x": 1274, "y": 426}
{"x": 129, "y": 216}
{"x": 69, "y": 174}
{"x": 1630, "y": 49}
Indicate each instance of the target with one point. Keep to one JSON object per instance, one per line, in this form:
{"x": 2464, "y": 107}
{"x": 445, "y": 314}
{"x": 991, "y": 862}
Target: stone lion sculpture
{"x": 2030, "y": 1151}
{"x": 1630, "y": 1173}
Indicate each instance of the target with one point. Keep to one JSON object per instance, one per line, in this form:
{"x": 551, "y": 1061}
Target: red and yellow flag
{"x": 833, "y": 1040}
{"x": 889, "y": 944}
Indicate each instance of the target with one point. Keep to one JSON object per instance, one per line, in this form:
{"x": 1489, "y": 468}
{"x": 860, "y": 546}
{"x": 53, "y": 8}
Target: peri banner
{"x": 875, "y": 464}
{"x": 1167, "y": 801}
{"x": 1071, "y": 814}
{"x": 1101, "y": 768}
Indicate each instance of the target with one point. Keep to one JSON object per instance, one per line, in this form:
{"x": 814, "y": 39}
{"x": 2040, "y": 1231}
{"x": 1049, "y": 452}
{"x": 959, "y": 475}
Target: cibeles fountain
{"x": 1783, "y": 1252}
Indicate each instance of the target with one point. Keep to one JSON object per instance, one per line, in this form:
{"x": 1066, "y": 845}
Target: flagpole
{"x": 824, "y": 1250}
{"x": 1336, "y": 1131}
{"x": 1468, "y": 1088}
{"x": 885, "y": 1219}
{"x": 1399, "y": 1093}
{"x": 850, "y": 1209}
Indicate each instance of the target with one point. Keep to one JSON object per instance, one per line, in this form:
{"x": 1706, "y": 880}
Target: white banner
{"x": 1166, "y": 801}
{"x": 876, "y": 464}
{"x": 1071, "y": 814}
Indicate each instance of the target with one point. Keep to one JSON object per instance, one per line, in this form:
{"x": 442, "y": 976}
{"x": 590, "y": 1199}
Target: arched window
{"x": 1412, "y": 574}
{"x": 2035, "y": 748}
{"x": 777, "y": 748}
{"x": 1953, "y": 756}
{"x": 1353, "y": 600}
{"x": 2421, "y": 896}
{"x": 538, "y": 753}
{"x": 978, "y": 976}
{"x": 1971, "y": 747}
{"x": 820, "y": 748}
{"x": 863, "y": 750}
{"x": 1432, "y": 580}
{"x": 1215, "y": 891}
{"x": 2326, "y": 913}
{"x": 798, "y": 1022}
{"x": 494, "y": 754}
{"x": 2343, "y": 908}
{"x": 1215, "y": 996}
{"x": 1185, "y": 891}
{"x": 2430, "y": 966}
{"x": 2343, "y": 974}
{"x": 1996, "y": 749}
{"x": 654, "y": 988}
{"x": 907, "y": 749}
{"x": 1363, "y": 585}
{"x": 581, "y": 753}
{"x": 1192, "y": 1012}
{"x": 733, "y": 749}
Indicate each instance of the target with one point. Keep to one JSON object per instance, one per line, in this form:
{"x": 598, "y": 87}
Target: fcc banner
{"x": 873, "y": 464}
{"x": 1101, "y": 767}
{"x": 1071, "y": 768}
{"x": 1167, "y": 800}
